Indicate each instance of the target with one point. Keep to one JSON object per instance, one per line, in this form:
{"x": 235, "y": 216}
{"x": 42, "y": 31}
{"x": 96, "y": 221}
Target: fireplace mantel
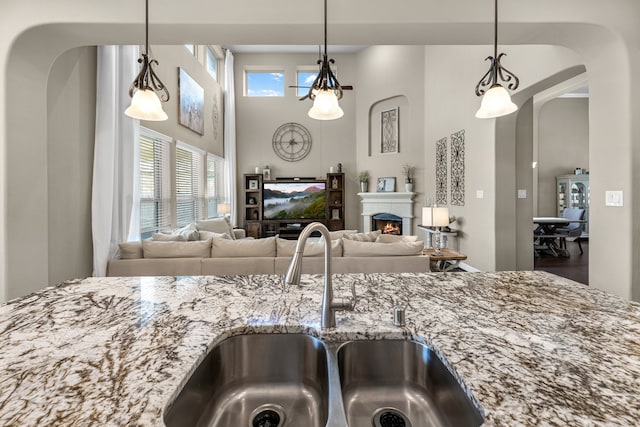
{"x": 397, "y": 203}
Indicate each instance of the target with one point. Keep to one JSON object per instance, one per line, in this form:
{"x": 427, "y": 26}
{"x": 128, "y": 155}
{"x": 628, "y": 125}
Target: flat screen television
{"x": 294, "y": 199}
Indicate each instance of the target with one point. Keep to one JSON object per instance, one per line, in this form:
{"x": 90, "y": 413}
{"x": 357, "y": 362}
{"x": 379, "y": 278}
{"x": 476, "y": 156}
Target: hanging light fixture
{"x": 496, "y": 101}
{"x": 325, "y": 90}
{"x": 147, "y": 91}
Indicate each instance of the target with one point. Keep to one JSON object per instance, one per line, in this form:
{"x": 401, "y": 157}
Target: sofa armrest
{"x": 239, "y": 233}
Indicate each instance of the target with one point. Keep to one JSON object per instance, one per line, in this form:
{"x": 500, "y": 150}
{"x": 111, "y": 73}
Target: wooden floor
{"x": 575, "y": 267}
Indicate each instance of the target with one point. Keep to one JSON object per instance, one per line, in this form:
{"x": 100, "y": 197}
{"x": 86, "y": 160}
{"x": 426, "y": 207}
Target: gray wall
{"x": 388, "y": 77}
{"x": 71, "y": 100}
{"x": 563, "y": 145}
{"x": 257, "y": 118}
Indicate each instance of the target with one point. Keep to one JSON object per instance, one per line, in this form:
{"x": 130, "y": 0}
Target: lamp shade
{"x": 145, "y": 105}
{"x": 224, "y": 208}
{"x": 435, "y": 217}
{"x": 325, "y": 106}
{"x": 496, "y": 102}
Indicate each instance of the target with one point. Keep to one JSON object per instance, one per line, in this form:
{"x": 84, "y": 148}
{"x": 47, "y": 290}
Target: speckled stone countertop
{"x": 533, "y": 348}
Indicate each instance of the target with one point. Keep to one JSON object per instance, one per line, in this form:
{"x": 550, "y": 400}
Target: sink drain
{"x": 268, "y": 415}
{"x": 390, "y": 417}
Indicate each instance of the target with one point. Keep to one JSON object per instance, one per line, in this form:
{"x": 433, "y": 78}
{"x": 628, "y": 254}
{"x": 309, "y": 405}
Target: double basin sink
{"x": 295, "y": 380}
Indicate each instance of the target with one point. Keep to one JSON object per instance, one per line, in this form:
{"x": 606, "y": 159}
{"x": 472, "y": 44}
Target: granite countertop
{"x": 533, "y": 348}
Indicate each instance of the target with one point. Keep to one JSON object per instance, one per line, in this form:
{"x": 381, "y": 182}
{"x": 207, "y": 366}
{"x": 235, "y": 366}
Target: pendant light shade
{"x": 496, "y": 101}
{"x": 145, "y": 105}
{"x": 147, "y": 91}
{"x": 325, "y": 106}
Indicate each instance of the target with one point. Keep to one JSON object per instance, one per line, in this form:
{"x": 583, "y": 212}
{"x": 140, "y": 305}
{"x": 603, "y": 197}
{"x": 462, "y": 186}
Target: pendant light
{"x": 496, "y": 101}
{"x": 325, "y": 90}
{"x": 147, "y": 91}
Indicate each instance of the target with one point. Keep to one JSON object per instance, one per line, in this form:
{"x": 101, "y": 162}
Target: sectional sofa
{"x": 222, "y": 255}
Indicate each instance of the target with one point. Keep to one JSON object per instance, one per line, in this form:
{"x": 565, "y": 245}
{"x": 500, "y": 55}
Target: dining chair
{"x": 573, "y": 229}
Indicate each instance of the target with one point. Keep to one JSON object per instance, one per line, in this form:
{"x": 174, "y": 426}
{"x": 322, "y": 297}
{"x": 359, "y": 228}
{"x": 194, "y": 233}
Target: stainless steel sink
{"x": 262, "y": 380}
{"x": 400, "y": 383}
{"x": 294, "y": 380}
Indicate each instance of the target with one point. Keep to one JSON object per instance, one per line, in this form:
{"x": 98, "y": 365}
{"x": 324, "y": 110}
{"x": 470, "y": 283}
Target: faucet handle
{"x": 353, "y": 293}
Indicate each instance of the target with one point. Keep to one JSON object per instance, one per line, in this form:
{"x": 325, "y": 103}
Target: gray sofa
{"x": 221, "y": 256}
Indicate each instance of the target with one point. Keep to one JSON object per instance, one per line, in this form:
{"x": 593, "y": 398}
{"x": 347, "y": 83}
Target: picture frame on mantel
{"x": 387, "y": 184}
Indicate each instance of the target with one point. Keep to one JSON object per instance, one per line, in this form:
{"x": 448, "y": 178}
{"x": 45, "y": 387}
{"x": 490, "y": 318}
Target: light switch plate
{"x": 614, "y": 198}
{"x": 522, "y": 194}
{"x": 479, "y": 194}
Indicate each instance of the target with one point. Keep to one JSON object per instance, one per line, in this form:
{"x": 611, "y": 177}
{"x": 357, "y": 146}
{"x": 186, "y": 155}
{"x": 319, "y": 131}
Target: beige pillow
{"x": 225, "y": 248}
{"x": 217, "y": 225}
{"x": 197, "y": 249}
{"x": 204, "y": 235}
{"x": 334, "y": 235}
{"x": 286, "y": 248}
{"x": 168, "y": 237}
{"x": 392, "y": 238}
{"x": 363, "y": 237}
{"x": 355, "y": 249}
{"x": 130, "y": 250}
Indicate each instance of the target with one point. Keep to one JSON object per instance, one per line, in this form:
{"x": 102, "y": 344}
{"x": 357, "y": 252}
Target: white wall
{"x": 257, "y": 118}
{"x": 563, "y": 145}
{"x": 71, "y": 104}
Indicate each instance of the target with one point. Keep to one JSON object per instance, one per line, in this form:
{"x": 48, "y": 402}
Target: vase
{"x": 364, "y": 186}
{"x": 408, "y": 187}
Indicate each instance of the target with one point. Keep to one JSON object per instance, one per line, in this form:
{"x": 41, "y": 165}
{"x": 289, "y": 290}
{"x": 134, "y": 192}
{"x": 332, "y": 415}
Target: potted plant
{"x": 363, "y": 177}
{"x": 408, "y": 170}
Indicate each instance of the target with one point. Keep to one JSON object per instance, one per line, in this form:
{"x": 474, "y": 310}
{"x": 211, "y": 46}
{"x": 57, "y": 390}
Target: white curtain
{"x": 230, "y": 136}
{"x": 114, "y": 162}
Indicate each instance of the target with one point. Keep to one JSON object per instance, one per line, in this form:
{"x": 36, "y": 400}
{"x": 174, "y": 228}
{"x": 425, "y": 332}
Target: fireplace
{"x": 387, "y": 223}
{"x": 398, "y": 204}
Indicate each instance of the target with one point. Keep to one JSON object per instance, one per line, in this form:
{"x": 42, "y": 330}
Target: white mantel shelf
{"x": 396, "y": 203}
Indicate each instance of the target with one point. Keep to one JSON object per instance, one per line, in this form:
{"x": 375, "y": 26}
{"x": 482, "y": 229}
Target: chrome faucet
{"x": 329, "y": 306}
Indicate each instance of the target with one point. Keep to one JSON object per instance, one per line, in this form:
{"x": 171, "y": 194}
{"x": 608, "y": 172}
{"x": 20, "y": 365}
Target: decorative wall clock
{"x": 292, "y": 142}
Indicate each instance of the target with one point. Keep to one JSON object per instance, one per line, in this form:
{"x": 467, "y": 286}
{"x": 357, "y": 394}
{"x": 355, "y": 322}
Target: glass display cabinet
{"x": 573, "y": 192}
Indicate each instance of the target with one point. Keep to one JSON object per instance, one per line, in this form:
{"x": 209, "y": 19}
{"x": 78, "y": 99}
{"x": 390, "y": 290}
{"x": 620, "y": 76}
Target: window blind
{"x": 189, "y": 185}
{"x": 155, "y": 193}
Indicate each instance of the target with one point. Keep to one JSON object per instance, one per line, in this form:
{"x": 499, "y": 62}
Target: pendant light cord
{"x": 495, "y": 31}
{"x": 325, "y": 27}
{"x": 146, "y": 26}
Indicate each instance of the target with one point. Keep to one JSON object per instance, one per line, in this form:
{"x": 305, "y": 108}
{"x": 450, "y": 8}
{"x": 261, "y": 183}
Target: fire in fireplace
{"x": 387, "y": 223}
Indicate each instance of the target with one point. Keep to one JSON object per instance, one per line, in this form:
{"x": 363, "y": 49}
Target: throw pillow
{"x": 353, "y": 248}
{"x": 189, "y": 232}
{"x": 392, "y": 238}
{"x": 371, "y": 236}
{"x": 197, "y": 249}
{"x": 286, "y": 248}
{"x": 216, "y": 225}
{"x": 204, "y": 235}
{"x": 130, "y": 250}
{"x": 168, "y": 237}
{"x": 225, "y": 248}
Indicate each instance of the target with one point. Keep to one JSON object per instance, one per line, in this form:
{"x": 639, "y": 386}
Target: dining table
{"x": 545, "y": 236}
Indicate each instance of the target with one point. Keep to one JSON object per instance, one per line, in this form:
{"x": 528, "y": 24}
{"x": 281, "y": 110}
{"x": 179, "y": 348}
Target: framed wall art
{"x": 191, "y": 103}
{"x": 389, "y": 138}
{"x": 387, "y": 184}
{"x": 457, "y": 168}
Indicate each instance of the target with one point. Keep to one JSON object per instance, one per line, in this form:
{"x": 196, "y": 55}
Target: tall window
{"x": 215, "y": 184}
{"x": 189, "y": 185}
{"x": 212, "y": 64}
{"x": 264, "y": 83}
{"x": 155, "y": 192}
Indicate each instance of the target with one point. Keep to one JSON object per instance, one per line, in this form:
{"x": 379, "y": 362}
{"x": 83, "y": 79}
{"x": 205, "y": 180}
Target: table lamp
{"x": 224, "y": 209}
{"x": 435, "y": 217}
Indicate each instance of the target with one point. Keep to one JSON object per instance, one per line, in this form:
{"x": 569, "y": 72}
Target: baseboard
{"x": 469, "y": 269}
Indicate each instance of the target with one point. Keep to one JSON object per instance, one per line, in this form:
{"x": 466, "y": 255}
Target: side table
{"x": 447, "y": 260}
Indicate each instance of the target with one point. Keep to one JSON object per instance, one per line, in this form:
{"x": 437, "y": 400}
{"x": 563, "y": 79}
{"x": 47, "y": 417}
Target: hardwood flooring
{"x": 575, "y": 267}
